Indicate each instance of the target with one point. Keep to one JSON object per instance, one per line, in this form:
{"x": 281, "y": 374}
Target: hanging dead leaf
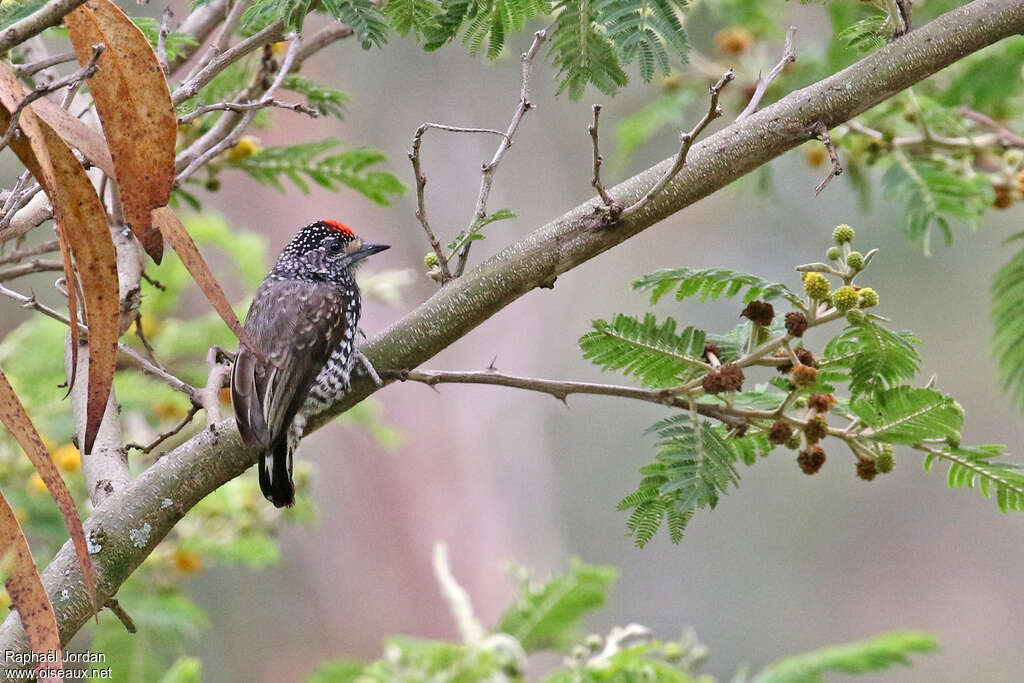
{"x": 18, "y": 423}
{"x": 83, "y": 222}
{"x": 174, "y": 231}
{"x": 134, "y": 106}
{"x": 76, "y": 133}
{"x": 28, "y": 595}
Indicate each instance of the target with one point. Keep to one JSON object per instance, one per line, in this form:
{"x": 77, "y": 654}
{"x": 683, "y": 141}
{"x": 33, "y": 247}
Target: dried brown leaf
{"x": 134, "y": 106}
{"x": 18, "y": 423}
{"x": 83, "y": 222}
{"x": 71, "y": 282}
{"x": 176, "y": 234}
{"x": 28, "y": 596}
{"x": 76, "y": 133}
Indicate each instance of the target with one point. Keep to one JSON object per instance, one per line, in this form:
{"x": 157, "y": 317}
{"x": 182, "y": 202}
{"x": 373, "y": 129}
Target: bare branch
{"x": 562, "y": 389}
{"x": 163, "y": 436}
{"x": 611, "y": 208}
{"x": 421, "y": 204}
{"x": 686, "y": 141}
{"x": 788, "y": 57}
{"x": 248, "y": 106}
{"x": 833, "y": 155}
{"x": 488, "y": 169}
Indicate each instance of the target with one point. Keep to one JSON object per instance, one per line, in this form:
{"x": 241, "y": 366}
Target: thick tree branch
{"x": 153, "y": 502}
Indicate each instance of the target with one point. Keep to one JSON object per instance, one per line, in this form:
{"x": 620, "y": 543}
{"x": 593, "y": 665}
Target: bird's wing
{"x": 295, "y": 326}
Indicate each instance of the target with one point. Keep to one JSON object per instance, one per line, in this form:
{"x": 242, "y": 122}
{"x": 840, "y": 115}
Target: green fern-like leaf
{"x": 308, "y": 160}
{"x": 877, "y": 358}
{"x": 489, "y": 22}
{"x": 710, "y": 282}
{"x": 655, "y": 354}
{"x": 868, "y": 34}
{"x": 1008, "y": 321}
{"x": 693, "y": 467}
{"x": 411, "y": 16}
{"x": 646, "y": 31}
{"x": 971, "y": 467}
{"x": 363, "y": 17}
{"x": 909, "y": 416}
{"x": 934, "y": 194}
{"x": 876, "y": 654}
{"x": 546, "y": 617}
{"x": 327, "y": 101}
{"x": 583, "y": 52}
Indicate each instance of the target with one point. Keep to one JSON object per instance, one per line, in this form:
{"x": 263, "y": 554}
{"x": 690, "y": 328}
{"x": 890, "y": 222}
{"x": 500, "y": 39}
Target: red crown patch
{"x": 339, "y": 227}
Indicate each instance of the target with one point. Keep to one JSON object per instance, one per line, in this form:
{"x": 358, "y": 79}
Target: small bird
{"x": 303, "y": 322}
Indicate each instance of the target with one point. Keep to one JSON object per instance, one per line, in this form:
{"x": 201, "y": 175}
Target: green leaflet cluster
{"x": 592, "y": 41}
{"x": 546, "y": 618}
{"x": 856, "y": 390}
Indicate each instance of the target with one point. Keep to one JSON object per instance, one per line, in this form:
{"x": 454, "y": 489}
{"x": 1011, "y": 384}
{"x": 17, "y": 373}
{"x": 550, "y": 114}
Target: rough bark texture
{"x": 130, "y": 523}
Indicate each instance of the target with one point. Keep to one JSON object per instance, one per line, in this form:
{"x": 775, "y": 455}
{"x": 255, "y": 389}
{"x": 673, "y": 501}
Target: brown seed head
{"x": 811, "y": 460}
{"x": 780, "y": 432}
{"x": 821, "y": 402}
{"x": 760, "y": 312}
{"x": 796, "y": 323}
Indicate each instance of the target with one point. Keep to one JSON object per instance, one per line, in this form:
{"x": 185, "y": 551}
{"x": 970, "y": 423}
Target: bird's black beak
{"x": 370, "y": 250}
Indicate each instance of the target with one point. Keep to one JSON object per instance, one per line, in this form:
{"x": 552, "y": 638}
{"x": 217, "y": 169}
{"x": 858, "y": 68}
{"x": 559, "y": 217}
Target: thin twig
{"x": 612, "y": 207}
{"x": 488, "y": 169}
{"x": 833, "y": 155}
{"x": 788, "y": 57}
{"x": 248, "y": 106}
{"x": 163, "y": 436}
{"x": 84, "y": 73}
{"x": 421, "y": 204}
{"x": 460, "y": 129}
{"x": 686, "y": 141}
{"x": 562, "y": 389}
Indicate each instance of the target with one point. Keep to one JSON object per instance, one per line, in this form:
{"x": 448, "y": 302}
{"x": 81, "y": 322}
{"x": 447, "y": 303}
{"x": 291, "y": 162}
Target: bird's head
{"x": 325, "y": 250}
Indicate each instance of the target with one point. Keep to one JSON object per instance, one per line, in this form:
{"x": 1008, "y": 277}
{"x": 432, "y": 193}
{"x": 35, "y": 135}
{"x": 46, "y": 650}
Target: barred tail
{"x": 275, "y": 469}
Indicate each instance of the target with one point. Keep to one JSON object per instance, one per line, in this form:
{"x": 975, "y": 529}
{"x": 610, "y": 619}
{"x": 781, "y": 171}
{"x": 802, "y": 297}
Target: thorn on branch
{"x": 686, "y": 141}
{"x": 837, "y": 168}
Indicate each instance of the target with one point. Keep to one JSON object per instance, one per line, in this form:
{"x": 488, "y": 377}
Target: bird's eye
{"x": 335, "y": 246}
